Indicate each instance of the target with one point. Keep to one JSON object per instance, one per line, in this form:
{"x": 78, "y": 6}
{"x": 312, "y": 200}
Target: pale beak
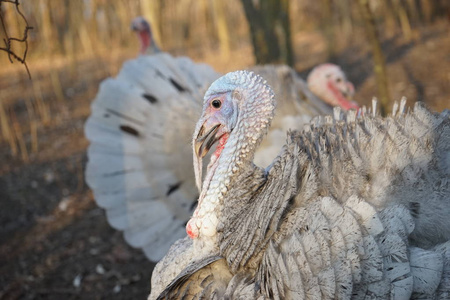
{"x": 349, "y": 91}
{"x": 204, "y": 141}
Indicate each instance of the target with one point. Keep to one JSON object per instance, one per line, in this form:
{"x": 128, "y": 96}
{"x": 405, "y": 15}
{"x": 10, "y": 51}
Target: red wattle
{"x": 190, "y": 232}
{"x": 145, "y": 39}
{"x": 343, "y": 102}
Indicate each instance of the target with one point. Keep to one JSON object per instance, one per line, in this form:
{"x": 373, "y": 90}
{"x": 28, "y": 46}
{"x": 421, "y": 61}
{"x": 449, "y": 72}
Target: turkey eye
{"x": 216, "y": 103}
{"x": 338, "y": 80}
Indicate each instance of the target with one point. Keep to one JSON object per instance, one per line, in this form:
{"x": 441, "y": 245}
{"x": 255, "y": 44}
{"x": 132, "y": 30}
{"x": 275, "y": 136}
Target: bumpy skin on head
{"x": 329, "y": 83}
{"x": 340, "y": 213}
{"x": 239, "y": 122}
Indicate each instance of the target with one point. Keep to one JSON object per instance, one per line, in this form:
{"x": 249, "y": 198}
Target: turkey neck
{"x": 145, "y": 40}
{"x": 147, "y": 43}
{"x": 256, "y": 106}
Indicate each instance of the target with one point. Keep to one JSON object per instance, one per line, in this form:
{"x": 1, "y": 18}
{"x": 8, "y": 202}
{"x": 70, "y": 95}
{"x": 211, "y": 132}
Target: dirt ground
{"x": 55, "y": 243}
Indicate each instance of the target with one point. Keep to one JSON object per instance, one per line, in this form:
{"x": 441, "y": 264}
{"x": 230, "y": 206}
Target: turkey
{"x": 144, "y": 34}
{"x": 139, "y": 159}
{"x": 338, "y": 92}
{"x": 353, "y": 207}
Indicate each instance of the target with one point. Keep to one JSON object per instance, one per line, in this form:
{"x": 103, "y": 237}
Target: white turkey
{"x": 351, "y": 208}
{"x": 338, "y": 90}
{"x": 136, "y": 171}
{"x": 139, "y": 158}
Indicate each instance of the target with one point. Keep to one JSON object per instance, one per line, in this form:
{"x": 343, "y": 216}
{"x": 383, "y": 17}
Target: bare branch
{"x": 12, "y": 55}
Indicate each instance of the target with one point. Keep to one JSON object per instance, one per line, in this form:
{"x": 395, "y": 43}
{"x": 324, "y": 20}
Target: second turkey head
{"x": 144, "y": 33}
{"x": 328, "y": 82}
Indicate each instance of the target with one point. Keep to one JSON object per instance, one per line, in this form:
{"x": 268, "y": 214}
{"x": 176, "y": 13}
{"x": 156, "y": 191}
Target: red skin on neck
{"x": 222, "y": 141}
{"x": 145, "y": 40}
{"x": 190, "y": 232}
{"x": 343, "y": 102}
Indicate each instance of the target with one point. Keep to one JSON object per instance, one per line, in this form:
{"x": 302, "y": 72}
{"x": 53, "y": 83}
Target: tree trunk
{"x": 378, "y": 57}
{"x": 428, "y": 10}
{"x": 327, "y": 27}
{"x": 346, "y": 18}
{"x": 222, "y": 27}
{"x": 391, "y": 22}
{"x": 47, "y": 29}
{"x": 93, "y": 25}
{"x": 414, "y": 11}
{"x": 287, "y": 53}
{"x": 269, "y": 30}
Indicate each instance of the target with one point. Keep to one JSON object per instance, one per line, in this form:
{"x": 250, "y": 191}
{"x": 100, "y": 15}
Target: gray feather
{"x": 355, "y": 207}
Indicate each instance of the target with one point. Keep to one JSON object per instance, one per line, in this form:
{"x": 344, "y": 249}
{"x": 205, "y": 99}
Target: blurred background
{"x": 54, "y": 242}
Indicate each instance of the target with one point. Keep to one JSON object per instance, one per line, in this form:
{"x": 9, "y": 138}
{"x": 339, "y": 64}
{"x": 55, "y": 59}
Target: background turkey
{"x": 338, "y": 91}
{"x": 351, "y": 208}
{"x": 140, "y": 161}
{"x": 143, "y": 31}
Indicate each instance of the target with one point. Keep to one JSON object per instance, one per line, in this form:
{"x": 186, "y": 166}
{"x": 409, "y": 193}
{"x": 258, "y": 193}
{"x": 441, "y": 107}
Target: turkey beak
{"x": 204, "y": 141}
{"x": 346, "y": 94}
{"x": 350, "y": 91}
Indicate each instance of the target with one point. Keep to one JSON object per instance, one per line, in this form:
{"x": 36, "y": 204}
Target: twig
{"x": 8, "y": 49}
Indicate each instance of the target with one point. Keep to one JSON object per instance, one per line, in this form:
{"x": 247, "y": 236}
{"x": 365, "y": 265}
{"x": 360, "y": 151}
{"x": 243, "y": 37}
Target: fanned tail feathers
{"x": 134, "y": 165}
